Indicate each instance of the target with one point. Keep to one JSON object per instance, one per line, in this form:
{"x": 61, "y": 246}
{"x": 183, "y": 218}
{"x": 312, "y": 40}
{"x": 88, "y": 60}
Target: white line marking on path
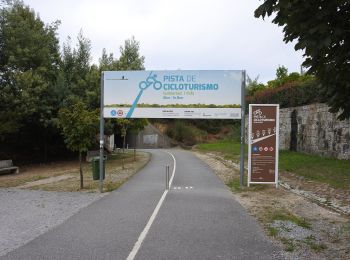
{"x": 179, "y": 188}
{"x": 153, "y": 216}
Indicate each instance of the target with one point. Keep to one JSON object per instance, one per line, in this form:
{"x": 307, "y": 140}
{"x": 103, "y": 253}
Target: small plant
{"x": 289, "y": 244}
{"x": 287, "y": 216}
{"x": 313, "y": 244}
{"x": 111, "y": 186}
{"x": 235, "y": 185}
{"x": 272, "y": 231}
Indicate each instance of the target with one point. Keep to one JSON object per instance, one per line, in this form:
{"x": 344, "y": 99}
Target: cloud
{"x": 221, "y": 34}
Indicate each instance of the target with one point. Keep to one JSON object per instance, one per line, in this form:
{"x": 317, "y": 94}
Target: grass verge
{"x": 230, "y": 149}
{"x": 315, "y": 168}
{"x": 334, "y": 172}
{"x": 299, "y": 226}
{"x": 119, "y": 168}
{"x": 287, "y": 216}
{"x": 313, "y": 244}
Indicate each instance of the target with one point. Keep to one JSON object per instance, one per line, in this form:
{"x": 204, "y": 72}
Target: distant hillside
{"x": 191, "y": 132}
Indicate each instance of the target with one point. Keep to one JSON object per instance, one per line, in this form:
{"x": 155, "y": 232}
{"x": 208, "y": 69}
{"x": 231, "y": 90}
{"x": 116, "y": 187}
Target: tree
{"x": 254, "y": 86}
{"x": 281, "y": 72}
{"x": 80, "y": 80}
{"x": 321, "y": 29}
{"x": 123, "y": 126}
{"x": 134, "y": 125}
{"x": 79, "y": 128}
{"x": 29, "y": 58}
{"x": 107, "y": 62}
{"x": 80, "y": 85}
{"x": 130, "y": 58}
{"x": 137, "y": 125}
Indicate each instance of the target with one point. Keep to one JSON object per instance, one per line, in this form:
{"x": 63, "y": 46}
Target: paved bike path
{"x": 202, "y": 222}
{"x": 109, "y": 227}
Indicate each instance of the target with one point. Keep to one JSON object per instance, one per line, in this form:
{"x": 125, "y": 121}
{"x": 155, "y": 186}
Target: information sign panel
{"x": 263, "y": 138}
{"x": 214, "y": 94}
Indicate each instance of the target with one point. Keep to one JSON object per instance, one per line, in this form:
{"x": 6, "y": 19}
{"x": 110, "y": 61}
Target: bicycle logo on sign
{"x": 258, "y": 112}
{"x": 151, "y": 80}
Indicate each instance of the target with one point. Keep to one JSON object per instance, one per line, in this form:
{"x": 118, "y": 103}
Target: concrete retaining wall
{"x": 150, "y": 137}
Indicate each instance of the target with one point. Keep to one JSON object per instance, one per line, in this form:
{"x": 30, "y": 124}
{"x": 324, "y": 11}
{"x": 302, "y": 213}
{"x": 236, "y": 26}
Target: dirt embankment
{"x": 304, "y": 227}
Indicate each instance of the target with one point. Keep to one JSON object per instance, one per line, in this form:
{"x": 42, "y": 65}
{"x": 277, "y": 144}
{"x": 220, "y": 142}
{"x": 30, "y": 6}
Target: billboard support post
{"x": 242, "y": 127}
{"x": 101, "y": 133}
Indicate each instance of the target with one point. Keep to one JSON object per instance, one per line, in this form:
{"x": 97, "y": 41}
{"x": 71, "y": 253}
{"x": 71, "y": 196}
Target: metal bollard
{"x": 167, "y": 177}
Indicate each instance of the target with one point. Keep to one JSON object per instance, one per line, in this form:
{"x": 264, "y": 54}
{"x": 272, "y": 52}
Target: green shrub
{"x": 182, "y": 133}
{"x": 290, "y": 94}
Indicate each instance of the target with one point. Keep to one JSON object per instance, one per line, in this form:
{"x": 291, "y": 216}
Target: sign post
{"x": 101, "y": 133}
{"x": 263, "y": 139}
{"x": 242, "y": 128}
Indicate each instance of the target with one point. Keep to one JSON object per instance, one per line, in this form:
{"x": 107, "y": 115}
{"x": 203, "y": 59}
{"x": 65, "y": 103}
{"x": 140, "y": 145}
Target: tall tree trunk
{"x": 134, "y": 147}
{"x": 81, "y": 172}
{"x": 124, "y": 143}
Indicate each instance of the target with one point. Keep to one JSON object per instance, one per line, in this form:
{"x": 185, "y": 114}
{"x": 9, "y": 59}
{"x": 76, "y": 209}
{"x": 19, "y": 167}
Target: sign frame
{"x": 242, "y": 141}
{"x": 250, "y": 144}
{"x": 181, "y": 94}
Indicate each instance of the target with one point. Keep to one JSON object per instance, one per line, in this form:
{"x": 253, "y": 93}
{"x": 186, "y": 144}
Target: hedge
{"x": 290, "y": 94}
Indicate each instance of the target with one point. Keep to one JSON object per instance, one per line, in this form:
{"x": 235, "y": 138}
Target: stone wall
{"x": 314, "y": 130}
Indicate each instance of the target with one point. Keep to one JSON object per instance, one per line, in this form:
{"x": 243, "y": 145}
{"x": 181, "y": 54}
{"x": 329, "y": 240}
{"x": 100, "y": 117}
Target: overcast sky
{"x": 178, "y": 34}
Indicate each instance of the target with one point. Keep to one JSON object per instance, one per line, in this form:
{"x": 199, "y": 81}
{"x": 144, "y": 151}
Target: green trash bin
{"x": 96, "y": 168}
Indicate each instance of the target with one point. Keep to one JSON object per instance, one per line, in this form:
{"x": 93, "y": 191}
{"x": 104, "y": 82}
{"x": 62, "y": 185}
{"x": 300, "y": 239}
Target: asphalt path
{"x": 197, "y": 218}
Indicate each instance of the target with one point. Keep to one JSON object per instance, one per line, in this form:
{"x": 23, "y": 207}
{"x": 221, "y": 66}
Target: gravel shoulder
{"x": 26, "y": 214}
{"x": 302, "y": 227}
{"x": 43, "y": 197}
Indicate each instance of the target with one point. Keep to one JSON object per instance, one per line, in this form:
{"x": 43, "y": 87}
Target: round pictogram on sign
{"x": 120, "y": 112}
{"x": 113, "y": 112}
{"x": 271, "y": 149}
{"x": 266, "y": 149}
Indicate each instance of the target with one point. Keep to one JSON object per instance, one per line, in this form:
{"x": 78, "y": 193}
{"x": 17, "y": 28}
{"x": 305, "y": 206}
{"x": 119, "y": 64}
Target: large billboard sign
{"x": 263, "y": 140}
{"x": 192, "y": 94}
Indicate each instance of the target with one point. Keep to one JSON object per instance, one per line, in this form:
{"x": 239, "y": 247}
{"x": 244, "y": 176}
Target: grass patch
{"x": 14, "y": 180}
{"x": 331, "y": 171}
{"x": 315, "y": 168}
{"x": 313, "y": 244}
{"x": 224, "y": 146}
{"x": 287, "y": 216}
{"x": 119, "y": 167}
{"x": 273, "y": 232}
{"x": 111, "y": 186}
{"x": 230, "y": 149}
{"x": 235, "y": 185}
{"x": 289, "y": 244}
